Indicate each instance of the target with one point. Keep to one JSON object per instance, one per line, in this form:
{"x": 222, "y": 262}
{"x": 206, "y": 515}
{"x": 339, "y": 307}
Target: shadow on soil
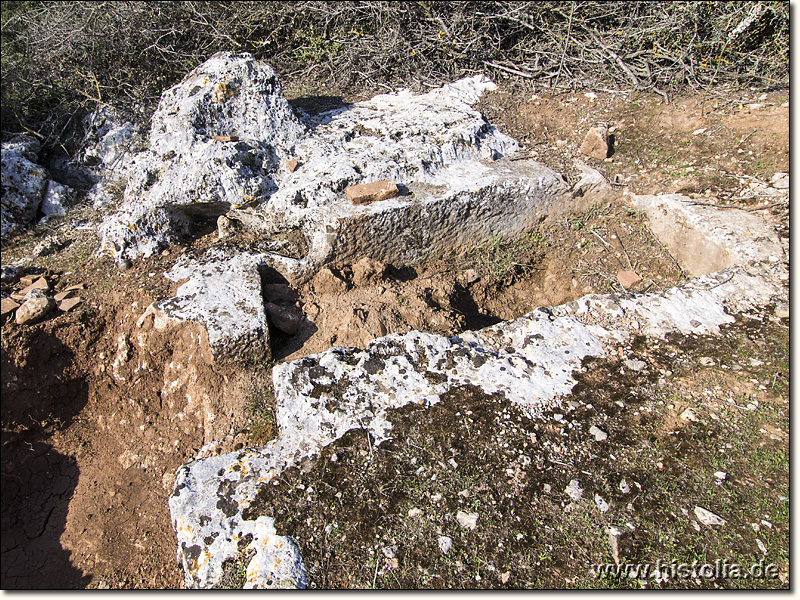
{"x": 37, "y": 481}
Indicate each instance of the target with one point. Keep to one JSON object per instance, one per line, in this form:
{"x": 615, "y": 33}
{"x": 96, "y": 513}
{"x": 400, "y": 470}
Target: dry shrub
{"x": 63, "y": 59}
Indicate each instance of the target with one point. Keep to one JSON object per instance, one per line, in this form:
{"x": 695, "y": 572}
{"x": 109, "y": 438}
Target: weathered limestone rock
{"x": 224, "y": 295}
{"x": 186, "y": 172}
{"x": 108, "y": 140}
{"x": 592, "y": 181}
{"x": 109, "y": 147}
{"x": 23, "y": 184}
{"x": 55, "y": 200}
{"x": 595, "y": 144}
{"x": 705, "y": 239}
{"x": 37, "y": 306}
{"x": 432, "y": 145}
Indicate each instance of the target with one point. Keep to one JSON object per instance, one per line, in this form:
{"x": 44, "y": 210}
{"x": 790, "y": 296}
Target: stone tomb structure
{"x": 226, "y": 146}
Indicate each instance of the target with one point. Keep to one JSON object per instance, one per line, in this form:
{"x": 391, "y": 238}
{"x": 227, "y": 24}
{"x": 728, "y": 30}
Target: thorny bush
{"x": 61, "y": 60}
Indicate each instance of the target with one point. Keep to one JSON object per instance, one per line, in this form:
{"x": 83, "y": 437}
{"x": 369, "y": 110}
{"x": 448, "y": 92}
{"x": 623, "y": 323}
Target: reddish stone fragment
{"x": 7, "y": 305}
{"x": 376, "y": 191}
{"x": 40, "y": 284}
{"x": 628, "y": 278}
{"x": 595, "y": 144}
{"x": 68, "y": 304}
{"x": 62, "y": 295}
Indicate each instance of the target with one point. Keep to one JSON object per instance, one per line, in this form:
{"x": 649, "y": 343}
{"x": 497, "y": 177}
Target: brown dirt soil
{"x": 98, "y": 412}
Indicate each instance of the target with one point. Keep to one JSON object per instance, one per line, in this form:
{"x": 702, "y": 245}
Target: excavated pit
{"x": 559, "y": 259}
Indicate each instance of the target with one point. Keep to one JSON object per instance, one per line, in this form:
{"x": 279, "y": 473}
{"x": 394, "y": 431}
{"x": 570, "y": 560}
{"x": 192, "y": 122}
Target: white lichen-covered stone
{"x": 224, "y": 295}
{"x": 277, "y": 563}
{"x": 23, "y": 184}
{"x": 108, "y": 140}
{"x": 109, "y": 147}
{"x": 218, "y": 140}
{"x": 433, "y": 147}
{"x": 56, "y": 198}
{"x": 186, "y": 172}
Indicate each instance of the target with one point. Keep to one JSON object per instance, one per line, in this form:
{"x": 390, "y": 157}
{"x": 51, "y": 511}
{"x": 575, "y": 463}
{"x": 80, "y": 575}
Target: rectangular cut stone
{"x": 376, "y": 191}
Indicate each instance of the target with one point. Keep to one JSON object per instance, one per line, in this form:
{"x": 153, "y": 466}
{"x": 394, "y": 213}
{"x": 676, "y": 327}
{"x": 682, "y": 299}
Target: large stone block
{"x": 23, "y": 184}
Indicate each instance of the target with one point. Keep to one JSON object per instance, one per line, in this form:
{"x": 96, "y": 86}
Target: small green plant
{"x": 262, "y": 424}
{"x": 498, "y": 256}
{"x": 318, "y": 48}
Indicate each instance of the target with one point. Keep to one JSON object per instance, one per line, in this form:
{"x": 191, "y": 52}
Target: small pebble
{"x": 445, "y": 544}
{"x": 635, "y": 365}
{"x": 465, "y": 519}
{"x": 761, "y": 546}
{"x": 598, "y": 433}
{"x": 574, "y": 490}
{"x": 706, "y": 517}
